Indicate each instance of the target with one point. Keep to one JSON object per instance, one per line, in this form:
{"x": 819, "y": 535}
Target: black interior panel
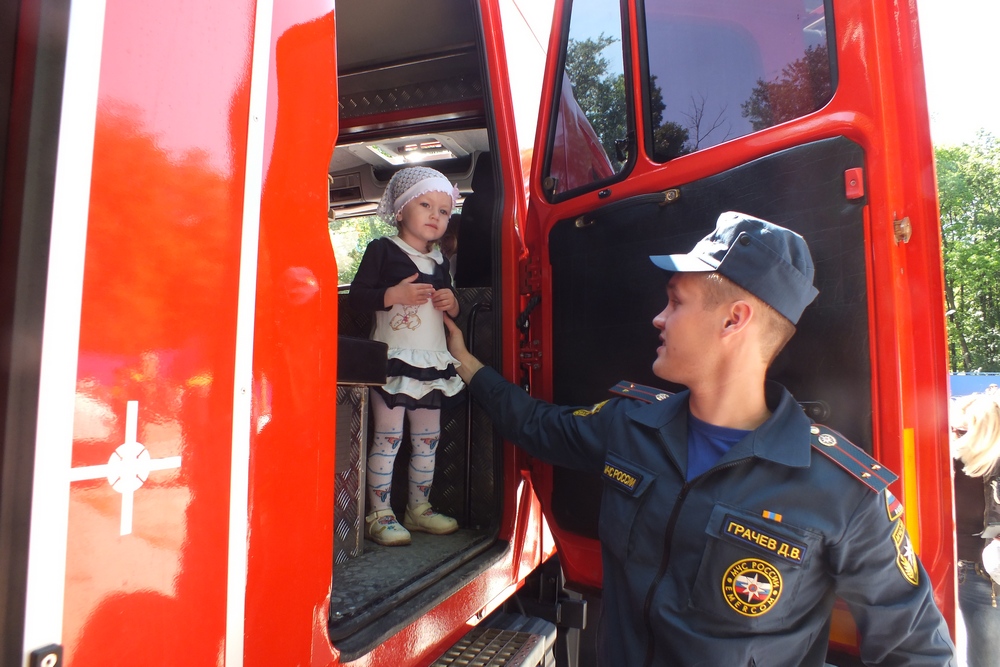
{"x": 606, "y": 293}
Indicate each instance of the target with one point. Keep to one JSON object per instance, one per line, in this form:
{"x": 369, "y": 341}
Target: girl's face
{"x": 424, "y": 219}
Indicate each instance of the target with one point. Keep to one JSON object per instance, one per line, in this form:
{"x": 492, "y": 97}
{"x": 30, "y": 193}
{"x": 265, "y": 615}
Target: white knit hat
{"x": 408, "y": 184}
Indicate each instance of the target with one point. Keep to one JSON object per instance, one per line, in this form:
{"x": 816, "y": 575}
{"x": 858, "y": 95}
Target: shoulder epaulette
{"x": 851, "y": 458}
{"x": 640, "y": 391}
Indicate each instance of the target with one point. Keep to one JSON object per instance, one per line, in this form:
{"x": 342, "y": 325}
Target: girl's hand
{"x": 444, "y": 299}
{"x": 408, "y": 293}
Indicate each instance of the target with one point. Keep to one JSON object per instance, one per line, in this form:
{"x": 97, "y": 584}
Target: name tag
{"x": 623, "y": 479}
{"x": 762, "y": 538}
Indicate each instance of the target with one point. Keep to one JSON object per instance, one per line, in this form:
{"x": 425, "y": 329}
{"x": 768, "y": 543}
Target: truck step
{"x": 519, "y": 642}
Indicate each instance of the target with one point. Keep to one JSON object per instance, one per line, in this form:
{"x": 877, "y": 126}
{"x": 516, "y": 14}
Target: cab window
{"x": 589, "y": 142}
{"x": 723, "y": 69}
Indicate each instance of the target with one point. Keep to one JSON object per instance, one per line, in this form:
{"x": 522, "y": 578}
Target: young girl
{"x": 405, "y": 281}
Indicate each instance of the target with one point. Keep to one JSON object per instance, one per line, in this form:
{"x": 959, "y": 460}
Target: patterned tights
{"x": 425, "y": 433}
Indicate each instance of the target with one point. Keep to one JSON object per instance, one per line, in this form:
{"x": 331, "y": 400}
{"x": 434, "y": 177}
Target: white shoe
{"x": 425, "y": 520}
{"x": 382, "y": 528}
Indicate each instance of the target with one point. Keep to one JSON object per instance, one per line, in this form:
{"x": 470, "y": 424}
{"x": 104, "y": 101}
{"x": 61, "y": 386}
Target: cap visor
{"x": 681, "y": 263}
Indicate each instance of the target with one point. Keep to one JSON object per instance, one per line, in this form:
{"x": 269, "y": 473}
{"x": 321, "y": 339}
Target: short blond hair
{"x": 979, "y": 446}
{"x": 776, "y": 329}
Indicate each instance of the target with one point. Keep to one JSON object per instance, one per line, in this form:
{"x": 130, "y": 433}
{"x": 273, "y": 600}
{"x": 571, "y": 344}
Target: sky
{"x": 961, "y": 67}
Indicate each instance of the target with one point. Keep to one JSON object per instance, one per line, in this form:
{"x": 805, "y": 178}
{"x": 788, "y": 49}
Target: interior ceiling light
{"x": 412, "y": 150}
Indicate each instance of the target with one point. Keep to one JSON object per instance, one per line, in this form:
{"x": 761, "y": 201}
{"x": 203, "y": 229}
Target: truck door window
{"x": 589, "y": 143}
{"x": 722, "y": 69}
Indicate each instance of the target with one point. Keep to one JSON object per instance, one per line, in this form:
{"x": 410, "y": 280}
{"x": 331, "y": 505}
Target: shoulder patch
{"x": 893, "y": 508}
{"x": 593, "y": 410}
{"x": 851, "y": 458}
{"x": 640, "y": 391}
{"x": 906, "y": 559}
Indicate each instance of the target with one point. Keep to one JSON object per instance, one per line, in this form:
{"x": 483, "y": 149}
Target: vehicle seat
{"x": 475, "y": 232}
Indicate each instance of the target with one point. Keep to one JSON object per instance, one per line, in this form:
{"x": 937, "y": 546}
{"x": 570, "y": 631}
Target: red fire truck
{"x": 183, "y": 386}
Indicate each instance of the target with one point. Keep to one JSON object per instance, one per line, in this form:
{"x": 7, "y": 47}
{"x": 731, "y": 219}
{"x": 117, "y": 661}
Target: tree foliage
{"x": 969, "y": 192}
{"x": 602, "y": 97}
{"x": 670, "y": 139}
{"x": 600, "y": 94}
{"x": 803, "y": 87}
{"x": 350, "y": 237}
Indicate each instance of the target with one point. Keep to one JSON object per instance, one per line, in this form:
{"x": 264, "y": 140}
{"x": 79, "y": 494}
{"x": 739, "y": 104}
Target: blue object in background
{"x": 962, "y": 384}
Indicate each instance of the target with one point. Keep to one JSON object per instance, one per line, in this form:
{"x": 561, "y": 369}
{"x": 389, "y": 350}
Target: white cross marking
{"x": 127, "y": 468}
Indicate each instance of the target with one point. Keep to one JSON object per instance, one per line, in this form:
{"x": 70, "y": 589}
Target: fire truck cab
{"x": 187, "y": 187}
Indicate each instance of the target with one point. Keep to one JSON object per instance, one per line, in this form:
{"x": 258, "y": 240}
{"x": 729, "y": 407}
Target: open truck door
{"x": 173, "y": 341}
{"x": 180, "y": 487}
{"x": 808, "y": 113}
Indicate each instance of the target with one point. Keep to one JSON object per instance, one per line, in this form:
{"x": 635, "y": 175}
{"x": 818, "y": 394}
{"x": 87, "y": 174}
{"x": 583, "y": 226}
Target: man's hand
{"x": 408, "y": 293}
{"x": 456, "y": 345}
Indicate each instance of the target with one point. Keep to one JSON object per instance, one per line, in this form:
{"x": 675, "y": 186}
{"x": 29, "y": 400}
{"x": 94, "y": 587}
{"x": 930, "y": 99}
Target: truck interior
{"x": 415, "y": 94}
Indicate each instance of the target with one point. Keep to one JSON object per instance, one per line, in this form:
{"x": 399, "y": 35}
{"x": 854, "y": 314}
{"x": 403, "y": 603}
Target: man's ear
{"x": 737, "y": 317}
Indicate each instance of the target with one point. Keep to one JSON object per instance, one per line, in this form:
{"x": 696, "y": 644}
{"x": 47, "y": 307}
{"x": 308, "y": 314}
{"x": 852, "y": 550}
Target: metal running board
{"x": 492, "y": 647}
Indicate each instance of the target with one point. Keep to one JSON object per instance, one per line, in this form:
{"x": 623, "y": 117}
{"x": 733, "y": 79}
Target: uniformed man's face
{"x": 686, "y": 329}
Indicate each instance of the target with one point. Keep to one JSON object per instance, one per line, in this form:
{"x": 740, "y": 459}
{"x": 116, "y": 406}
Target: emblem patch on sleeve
{"x": 586, "y": 412}
{"x": 893, "y": 507}
{"x": 751, "y": 586}
{"x": 906, "y": 560}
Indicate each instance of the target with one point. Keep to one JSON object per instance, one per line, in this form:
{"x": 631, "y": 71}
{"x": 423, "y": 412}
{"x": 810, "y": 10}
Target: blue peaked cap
{"x": 769, "y": 261}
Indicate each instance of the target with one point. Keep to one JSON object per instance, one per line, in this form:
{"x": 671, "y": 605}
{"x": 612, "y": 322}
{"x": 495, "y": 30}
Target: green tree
{"x": 600, "y": 94}
{"x": 803, "y": 87}
{"x": 602, "y": 97}
{"x": 670, "y": 140}
{"x": 350, "y": 237}
{"x": 969, "y": 193}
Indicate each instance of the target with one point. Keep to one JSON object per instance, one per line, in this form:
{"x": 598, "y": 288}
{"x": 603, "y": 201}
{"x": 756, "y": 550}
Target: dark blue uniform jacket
{"x": 741, "y": 565}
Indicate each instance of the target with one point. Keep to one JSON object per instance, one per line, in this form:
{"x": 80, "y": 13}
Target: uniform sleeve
{"x": 887, "y": 589}
{"x": 573, "y": 438}
{"x": 366, "y": 294}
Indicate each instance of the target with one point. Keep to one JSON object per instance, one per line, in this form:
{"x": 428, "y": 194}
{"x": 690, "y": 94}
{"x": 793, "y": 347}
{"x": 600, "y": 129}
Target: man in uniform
{"x": 728, "y": 521}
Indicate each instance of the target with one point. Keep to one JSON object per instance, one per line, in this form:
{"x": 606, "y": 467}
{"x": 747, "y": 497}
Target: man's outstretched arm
{"x": 571, "y": 438}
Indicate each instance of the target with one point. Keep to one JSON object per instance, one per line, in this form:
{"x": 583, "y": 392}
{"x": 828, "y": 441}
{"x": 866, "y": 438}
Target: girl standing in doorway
{"x": 404, "y": 280}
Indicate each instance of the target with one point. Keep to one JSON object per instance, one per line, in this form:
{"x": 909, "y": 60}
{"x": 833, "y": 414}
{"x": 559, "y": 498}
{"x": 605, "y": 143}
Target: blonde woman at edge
{"x": 975, "y": 427}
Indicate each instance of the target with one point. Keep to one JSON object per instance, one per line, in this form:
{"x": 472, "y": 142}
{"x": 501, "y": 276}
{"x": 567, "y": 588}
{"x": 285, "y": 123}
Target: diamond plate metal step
{"x": 504, "y": 640}
{"x": 492, "y": 647}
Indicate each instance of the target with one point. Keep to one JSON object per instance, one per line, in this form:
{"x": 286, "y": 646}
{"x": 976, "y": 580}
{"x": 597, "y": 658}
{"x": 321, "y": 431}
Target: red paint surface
{"x": 290, "y": 547}
{"x": 158, "y": 327}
